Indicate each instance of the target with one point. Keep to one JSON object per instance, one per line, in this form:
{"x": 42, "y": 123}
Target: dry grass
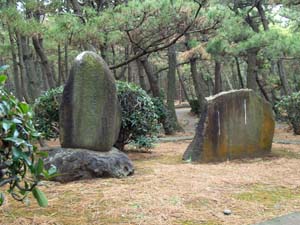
{"x": 165, "y": 190}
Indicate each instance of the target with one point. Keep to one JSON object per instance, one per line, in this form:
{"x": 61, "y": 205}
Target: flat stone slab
{"x": 237, "y": 124}
{"x": 79, "y": 164}
{"x": 290, "y": 219}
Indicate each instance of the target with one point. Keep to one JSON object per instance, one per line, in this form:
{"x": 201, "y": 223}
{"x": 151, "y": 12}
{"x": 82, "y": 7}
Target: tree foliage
{"x": 21, "y": 166}
{"x": 289, "y": 108}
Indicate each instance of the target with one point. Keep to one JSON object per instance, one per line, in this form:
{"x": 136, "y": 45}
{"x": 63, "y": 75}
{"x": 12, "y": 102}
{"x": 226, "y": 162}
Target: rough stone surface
{"x": 235, "y": 124}
{"x": 90, "y": 115}
{"x": 78, "y": 164}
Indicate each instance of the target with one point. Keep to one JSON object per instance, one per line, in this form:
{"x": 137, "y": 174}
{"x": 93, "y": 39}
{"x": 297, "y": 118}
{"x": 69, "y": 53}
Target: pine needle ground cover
{"x": 165, "y": 190}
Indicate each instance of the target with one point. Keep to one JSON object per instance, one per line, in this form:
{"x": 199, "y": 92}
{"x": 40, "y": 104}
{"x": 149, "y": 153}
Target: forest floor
{"x": 165, "y": 190}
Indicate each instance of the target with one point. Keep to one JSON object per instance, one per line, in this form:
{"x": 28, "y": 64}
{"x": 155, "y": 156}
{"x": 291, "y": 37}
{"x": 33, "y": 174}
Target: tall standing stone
{"x": 90, "y": 116}
{"x": 235, "y": 124}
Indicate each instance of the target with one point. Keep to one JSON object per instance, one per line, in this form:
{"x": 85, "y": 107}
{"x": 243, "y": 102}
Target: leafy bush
{"x": 19, "y": 168}
{"x": 289, "y": 108}
{"x": 46, "y": 109}
{"x": 195, "y": 107}
{"x": 139, "y": 118}
{"x": 164, "y": 115}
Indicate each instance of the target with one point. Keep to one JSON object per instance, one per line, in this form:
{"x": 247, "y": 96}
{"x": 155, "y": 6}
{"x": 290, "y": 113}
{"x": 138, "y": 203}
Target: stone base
{"x": 78, "y": 164}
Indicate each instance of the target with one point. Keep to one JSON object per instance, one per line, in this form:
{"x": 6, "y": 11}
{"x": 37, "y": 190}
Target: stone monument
{"x": 235, "y": 124}
{"x": 90, "y": 120}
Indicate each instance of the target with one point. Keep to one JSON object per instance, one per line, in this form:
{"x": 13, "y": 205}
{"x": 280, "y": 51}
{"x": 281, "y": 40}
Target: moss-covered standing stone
{"x": 90, "y": 116}
{"x": 237, "y": 124}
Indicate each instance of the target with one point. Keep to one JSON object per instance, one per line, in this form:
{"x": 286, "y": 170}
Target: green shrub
{"x": 289, "y": 109}
{"x": 20, "y": 170}
{"x": 139, "y": 118}
{"x": 195, "y": 107}
{"x": 46, "y": 110}
{"x": 160, "y": 109}
{"x": 164, "y": 115}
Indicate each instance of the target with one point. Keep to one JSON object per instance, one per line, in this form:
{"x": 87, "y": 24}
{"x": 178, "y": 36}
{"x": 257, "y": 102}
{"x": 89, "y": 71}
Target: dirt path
{"x": 186, "y": 120}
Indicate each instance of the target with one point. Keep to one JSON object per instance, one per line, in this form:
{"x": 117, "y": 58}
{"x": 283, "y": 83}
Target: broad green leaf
{"x": 2, "y": 79}
{"x": 17, "y": 141}
{"x": 24, "y": 107}
{"x": 16, "y": 120}
{"x": 39, "y": 167}
{"x": 6, "y": 125}
{"x": 52, "y": 170}
{"x": 40, "y": 197}
{"x": 19, "y": 154}
{"x": 42, "y": 154}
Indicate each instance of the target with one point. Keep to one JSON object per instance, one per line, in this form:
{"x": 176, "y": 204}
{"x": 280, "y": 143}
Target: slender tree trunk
{"x": 183, "y": 86}
{"x": 262, "y": 15}
{"x": 236, "y": 84}
{"x": 66, "y": 73}
{"x": 17, "y": 83}
{"x": 282, "y": 75}
{"x": 141, "y": 73}
{"x": 23, "y": 76}
{"x": 261, "y": 88}
{"x": 130, "y": 76}
{"x": 60, "y": 70}
{"x": 38, "y": 46}
{"x": 153, "y": 79}
{"x": 31, "y": 75}
{"x": 228, "y": 82}
{"x": 196, "y": 78}
{"x": 239, "y": 73}
{"x": 113, "y": 59}
{"x": 122, "y": 74}
{"x": 218, "y": 79}
{"x": 171, "y": 91}
{"x": 252, "y": 70}
{"x": 103, "y": 51}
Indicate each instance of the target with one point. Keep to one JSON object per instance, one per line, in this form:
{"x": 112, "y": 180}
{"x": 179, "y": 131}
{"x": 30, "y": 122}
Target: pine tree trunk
{"x": 153, "y": 79}
{"x": 38, "y": 46}
{"x": 239, "y": 73}
{"x": 23, "y": 78}
{"x": 171, "y": 91}
{"x": 252, "y": 70}
{"x": 60, "y": 70}
{"x": 196, "y": 78}
{"x": 17, "y": 82}
{"x": 66, "y": 63}
{"x": 183, "y": 86}
{"x": 218, "y": 78}
{"x": 282, "y": 75}
{"x": 33, "y": 85}
{"x": 141, "y": 74}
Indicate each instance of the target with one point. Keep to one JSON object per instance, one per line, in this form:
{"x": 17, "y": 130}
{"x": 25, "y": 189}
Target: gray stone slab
{"x": 290, "y": 219}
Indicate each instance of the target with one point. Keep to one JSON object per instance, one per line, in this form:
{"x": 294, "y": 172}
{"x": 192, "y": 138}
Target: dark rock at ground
{"x": 235, "y": 124}
{"x": 78, "y": 164}
{"x": 90, "y": 114}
